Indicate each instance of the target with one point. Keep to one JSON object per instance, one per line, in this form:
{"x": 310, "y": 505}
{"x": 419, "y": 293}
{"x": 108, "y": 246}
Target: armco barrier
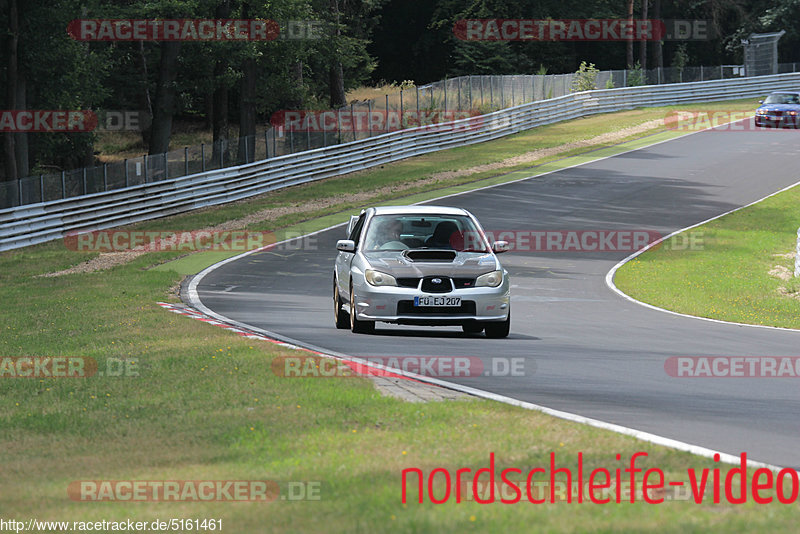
{"x": 38, "y": 223}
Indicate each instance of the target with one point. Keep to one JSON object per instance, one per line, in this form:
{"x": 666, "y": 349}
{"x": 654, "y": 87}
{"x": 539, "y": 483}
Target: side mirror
{"x": 760, "y": 101}
{"x": 500, "y": 246}
{"x": 346, "y": 245}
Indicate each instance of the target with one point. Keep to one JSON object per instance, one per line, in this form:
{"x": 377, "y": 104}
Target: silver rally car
{"x": 420, "y": 265}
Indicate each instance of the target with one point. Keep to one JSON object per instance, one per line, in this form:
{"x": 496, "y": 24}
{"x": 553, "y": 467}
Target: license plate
{"x": 774, "y": 118}
{"x": 431, "y": 301}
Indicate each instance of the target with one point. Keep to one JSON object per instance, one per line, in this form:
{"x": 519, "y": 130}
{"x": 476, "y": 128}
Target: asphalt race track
{"x": 586, "y": 350}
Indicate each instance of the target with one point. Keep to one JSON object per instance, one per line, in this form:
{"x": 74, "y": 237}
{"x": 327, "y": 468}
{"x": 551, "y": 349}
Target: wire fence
{"x": 292, "y": 132}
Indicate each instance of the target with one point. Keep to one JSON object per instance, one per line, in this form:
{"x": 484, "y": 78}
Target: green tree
{"x": 585, "y": 78}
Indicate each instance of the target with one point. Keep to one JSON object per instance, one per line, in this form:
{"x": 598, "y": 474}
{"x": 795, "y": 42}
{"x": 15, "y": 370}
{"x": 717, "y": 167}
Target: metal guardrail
{"x": 42, "y": 222}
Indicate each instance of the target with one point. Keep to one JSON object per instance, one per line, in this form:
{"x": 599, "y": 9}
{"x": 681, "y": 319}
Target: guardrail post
{"x": 186, "y": 161}
{"x": 126, "y": 171}
{"x": 266, "y": 142}
{"x": 701, "y": 73}
{"x": 105, "y": 176}
{"x": 41, "y": 186}
{"x": 144, "y": 166}
{"x": 274, "y": 144}
{"x": 19, "y": 190}
{"x": 417, "y": 91}
{"x": 84, "y": 181}
{"x": 797, "y": 256}
{"x": 166, "y": 166}
{"x": 512, "y": 92}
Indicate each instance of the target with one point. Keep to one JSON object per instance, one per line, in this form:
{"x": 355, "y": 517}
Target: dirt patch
{"x": 779, "y": 271}
{"x": 786, "y": 293}
{"x": 107, "y": 260}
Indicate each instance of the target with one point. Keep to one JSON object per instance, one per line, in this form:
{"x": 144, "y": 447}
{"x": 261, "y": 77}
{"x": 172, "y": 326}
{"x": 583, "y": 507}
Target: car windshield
{"x": 783, "y": 98}
{"x": 403, "y": 232}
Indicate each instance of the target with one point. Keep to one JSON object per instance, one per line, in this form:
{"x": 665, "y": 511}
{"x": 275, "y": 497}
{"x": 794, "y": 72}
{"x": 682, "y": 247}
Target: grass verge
{"x": 200, "y": 403}
{"x": 722, "y": 269}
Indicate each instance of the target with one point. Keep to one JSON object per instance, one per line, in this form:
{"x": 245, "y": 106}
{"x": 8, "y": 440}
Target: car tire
{"x": 340, "y": 317}
{"x": 473, "y": 327}
{"x": 497, "y": 330}
{"x": 356, "y": 325}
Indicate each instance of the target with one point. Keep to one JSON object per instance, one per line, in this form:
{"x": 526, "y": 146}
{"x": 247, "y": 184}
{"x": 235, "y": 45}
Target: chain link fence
{"x": 442, "y": 101}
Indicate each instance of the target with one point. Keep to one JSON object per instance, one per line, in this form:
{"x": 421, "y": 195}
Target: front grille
{"x": 406, "y": 307}
{"x": 436, "y": 284}
{"x": 408, "y": 282}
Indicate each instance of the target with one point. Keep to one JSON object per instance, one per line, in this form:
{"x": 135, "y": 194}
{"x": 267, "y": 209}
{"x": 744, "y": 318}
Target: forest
{"x": 319, "y": 51}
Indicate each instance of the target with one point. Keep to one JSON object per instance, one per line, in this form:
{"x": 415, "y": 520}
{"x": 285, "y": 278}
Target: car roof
{"x": 419, "y": 210}
{"x": 785, "y": 93}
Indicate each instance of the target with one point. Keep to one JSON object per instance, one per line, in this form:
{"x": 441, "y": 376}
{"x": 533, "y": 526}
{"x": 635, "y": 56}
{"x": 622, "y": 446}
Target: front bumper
{"x": 784, "y": 121}
{"x": 395, "y": 305}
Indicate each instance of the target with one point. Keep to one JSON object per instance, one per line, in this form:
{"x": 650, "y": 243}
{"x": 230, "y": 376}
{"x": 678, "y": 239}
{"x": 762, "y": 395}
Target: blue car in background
{"x": 780, "y": 109}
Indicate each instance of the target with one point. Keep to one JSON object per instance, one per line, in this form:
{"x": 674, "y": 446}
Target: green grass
{"x": 724, "y": 275}
{"x": 205, "y": 404}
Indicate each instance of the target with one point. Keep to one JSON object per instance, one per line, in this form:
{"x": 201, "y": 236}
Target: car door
{"x": 345, "y": 259}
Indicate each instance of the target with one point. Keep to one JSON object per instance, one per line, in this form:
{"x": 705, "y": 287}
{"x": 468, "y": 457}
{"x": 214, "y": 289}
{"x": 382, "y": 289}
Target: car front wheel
{"x": 496, "y": 330}
{"x": 339, "y": 315}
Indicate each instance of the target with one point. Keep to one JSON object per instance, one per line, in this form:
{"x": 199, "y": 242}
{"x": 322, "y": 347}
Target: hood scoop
{"x": 433, "y": 255}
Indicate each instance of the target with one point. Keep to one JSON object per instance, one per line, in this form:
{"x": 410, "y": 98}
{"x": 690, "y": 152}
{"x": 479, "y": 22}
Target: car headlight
{"x": 761, "y": 111}
{"x": 492, "y": 279}
{"x": 377, "y": 278}
{"x": 792, "y": 113}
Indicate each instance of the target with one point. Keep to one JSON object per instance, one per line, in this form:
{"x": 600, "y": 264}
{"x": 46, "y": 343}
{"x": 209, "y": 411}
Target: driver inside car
{"x": 387, "y": 236}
